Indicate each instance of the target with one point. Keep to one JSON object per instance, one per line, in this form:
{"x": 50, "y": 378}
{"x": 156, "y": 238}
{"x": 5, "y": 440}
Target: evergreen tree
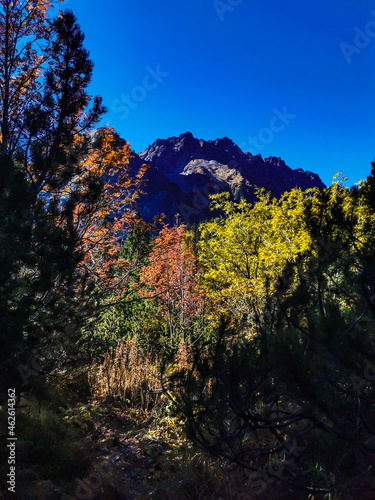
{"x": 44, "y": 118}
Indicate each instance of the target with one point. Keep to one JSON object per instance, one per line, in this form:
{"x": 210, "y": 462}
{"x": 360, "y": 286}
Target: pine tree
{"x": 44, "y": 74}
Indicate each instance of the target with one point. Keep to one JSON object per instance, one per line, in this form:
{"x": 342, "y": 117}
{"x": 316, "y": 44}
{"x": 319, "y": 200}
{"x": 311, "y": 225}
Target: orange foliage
{"x": 172, "y": 275}
{"x": 103, "y": 222}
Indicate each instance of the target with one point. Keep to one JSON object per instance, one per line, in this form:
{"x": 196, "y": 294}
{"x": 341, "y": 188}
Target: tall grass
{"x": 128, "y": 374}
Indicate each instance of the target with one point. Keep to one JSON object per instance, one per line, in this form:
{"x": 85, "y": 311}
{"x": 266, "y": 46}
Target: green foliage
{"x": 80, "y": 416}
{"x": 137, "y": 245}
{"x": 134, "y": 316}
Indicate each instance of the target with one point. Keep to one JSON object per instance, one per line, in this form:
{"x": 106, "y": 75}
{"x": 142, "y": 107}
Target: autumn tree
{"x": 23, "y": 28}
{"x": 243, "y": 253}
{"x": 103, "y": 226}
{"x": 171, "y": 276}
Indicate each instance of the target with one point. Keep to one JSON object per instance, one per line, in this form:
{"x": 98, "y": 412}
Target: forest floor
{"x": 113, "y": 453}
{"x": 136, "y": 460}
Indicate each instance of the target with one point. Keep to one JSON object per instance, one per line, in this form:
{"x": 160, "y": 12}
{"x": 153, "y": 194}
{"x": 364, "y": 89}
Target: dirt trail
{"x": 128, "y": 463}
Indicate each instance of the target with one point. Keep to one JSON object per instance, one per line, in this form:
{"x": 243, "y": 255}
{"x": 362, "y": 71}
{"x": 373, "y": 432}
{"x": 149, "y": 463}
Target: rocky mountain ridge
{"x": 185, "y": 171}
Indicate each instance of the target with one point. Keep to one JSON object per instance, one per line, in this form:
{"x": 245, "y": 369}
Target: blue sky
{"x": 279, "y": 77}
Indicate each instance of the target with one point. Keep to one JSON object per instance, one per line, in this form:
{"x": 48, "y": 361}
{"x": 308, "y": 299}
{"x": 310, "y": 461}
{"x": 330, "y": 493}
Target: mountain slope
{"x": 186, "y": 170}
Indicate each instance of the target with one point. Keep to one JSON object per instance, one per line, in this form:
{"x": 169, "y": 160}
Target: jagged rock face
{"x": 185, "y": 171}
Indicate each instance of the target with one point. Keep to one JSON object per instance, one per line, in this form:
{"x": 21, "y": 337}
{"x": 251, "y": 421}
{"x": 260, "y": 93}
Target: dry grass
{"x": 128, "y": 374}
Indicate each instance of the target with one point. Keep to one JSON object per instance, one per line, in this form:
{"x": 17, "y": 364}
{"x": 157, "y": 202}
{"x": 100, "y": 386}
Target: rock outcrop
{"x": 185, "y": 171}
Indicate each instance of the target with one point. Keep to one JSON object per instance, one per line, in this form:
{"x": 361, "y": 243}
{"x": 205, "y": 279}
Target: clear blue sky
{"x": 233, "y": 68}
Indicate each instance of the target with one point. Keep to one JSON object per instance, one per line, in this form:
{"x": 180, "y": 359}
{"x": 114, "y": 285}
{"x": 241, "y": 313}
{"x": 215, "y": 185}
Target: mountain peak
{"x": 187, "y": 136}
{"x": 191, "y": 169}
{"x": 224, "y": 141}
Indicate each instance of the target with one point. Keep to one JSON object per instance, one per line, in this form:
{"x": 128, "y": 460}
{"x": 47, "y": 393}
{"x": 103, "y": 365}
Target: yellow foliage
{"x": 245, "y": 252}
